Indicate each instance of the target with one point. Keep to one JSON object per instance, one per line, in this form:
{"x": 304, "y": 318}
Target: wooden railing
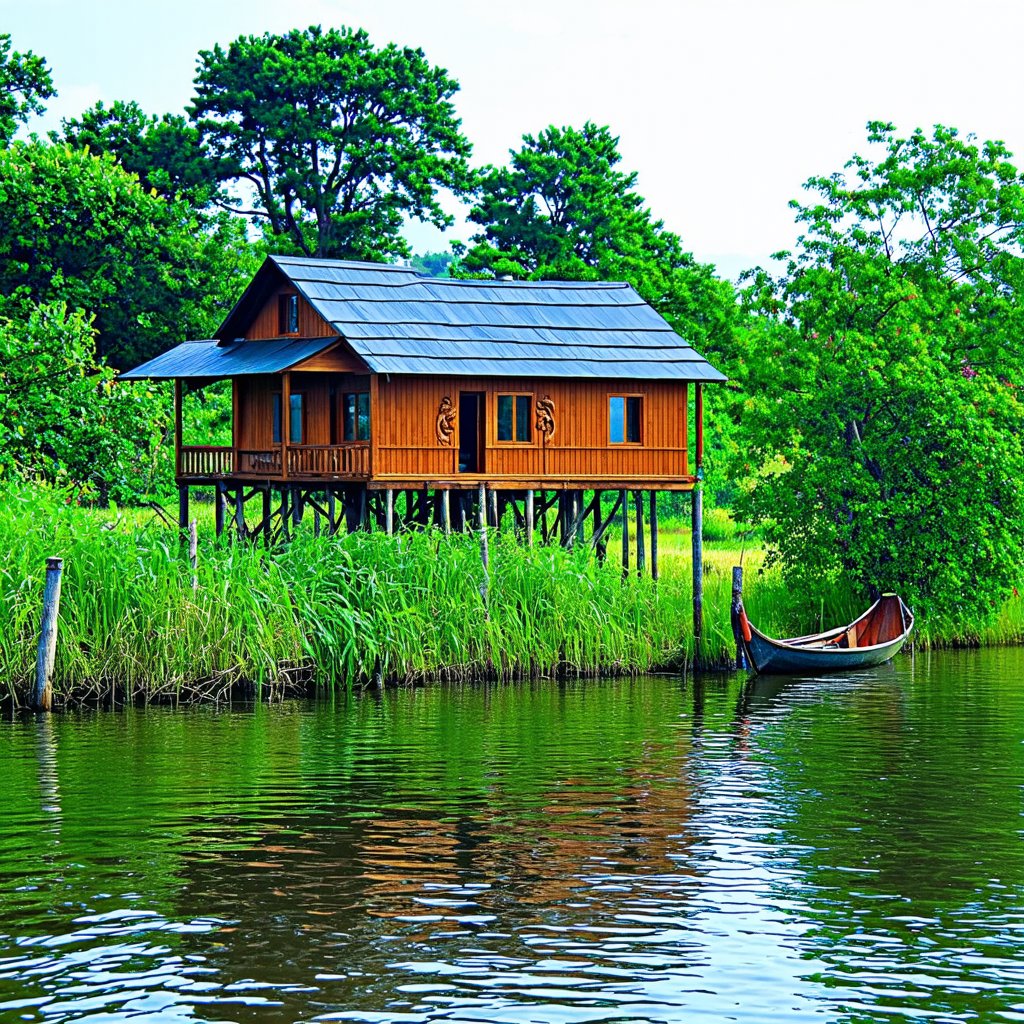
{"x": 260, "y": 463}
{"x": 320, "y": 460}
{"x": 205, "y": 460}
{"x": 329, "y": 460}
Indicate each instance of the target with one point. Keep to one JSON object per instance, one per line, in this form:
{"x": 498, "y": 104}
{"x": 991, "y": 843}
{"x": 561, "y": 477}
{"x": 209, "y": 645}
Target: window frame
{"x": 357, "y": 395}
{"x": 287, "y": 304}
{"x": 626, "y": 397}
{"x": 531, "y": 427}
{"x": 277, "y": 417}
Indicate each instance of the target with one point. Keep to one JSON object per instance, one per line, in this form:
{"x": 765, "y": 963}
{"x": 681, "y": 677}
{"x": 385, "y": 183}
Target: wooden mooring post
{"x": 734, "y": 615}
{"x": 42, "y": 693}
{"x": 697, "y": 526}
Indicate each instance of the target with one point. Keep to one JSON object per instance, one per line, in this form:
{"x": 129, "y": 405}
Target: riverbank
{"x": 333, "y": 613}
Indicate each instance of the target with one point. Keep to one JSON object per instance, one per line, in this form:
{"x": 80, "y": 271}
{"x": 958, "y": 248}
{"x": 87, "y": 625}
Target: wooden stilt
{"x": 42, "y": 693}
{"x": 182, "y": 506}
{"x": 654, "y": 535}
{"x": 624, "y": 499}
{"x": 485, "y": 584}
{"x": 316, "y": 521}
{"x": 297, "y": 507}
{"x": 528, "y": 513}
{"x": 240, "y": 514}
{"x": 285, "y": 515}
{"x": 492, "y": 501}
{"x": 641, "y": 554}
{"x": 266, "y": 517}
{"x": 597, "y": 534}
{"x": 193, "y": 553}
{"x": 332, "y": 512}
{"x": 697, "y": 524}
{"x": 364, "y": 522}
{"x": 389, "y": 511}
{"x": 446, "y": 512}
{"x": 221, "y": 501}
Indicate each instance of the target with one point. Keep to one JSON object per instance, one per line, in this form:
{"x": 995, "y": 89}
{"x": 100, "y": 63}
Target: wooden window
{"x": 355, "y": 406}
{"x": 625, "y": 416}
{"x": 295, "y": 425}
{"x": 515, "y": 419}
{"x": 287, "y": 314}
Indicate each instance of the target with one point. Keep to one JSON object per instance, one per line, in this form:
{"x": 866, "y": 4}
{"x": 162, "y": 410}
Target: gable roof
{"x": 401, "y": 322}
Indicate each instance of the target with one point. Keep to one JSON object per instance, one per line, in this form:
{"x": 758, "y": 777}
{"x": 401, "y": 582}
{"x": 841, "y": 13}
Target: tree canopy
{"x": 563, "y": 209}
{"x": 883, "y": 407}
{"x": 25, "y": 83}
{"x": 338, "y": 141}
{"x": 88, "y": 234}
{"x": 165, "y": 152}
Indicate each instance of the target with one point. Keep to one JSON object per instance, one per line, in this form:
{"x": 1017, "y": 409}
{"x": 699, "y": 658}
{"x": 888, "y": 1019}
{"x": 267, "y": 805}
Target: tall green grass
{"x": 334, "y": 612}
{"x": 367, "y": 608}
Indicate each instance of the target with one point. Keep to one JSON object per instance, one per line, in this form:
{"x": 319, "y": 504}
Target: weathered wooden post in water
{"x": 42, "y": 694}
{"x": 697, "y": 527}
{"x": 734, "y": 614}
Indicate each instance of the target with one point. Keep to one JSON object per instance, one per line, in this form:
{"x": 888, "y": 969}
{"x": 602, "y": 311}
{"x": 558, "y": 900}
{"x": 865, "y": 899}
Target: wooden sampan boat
{"x": 869, "y": 640}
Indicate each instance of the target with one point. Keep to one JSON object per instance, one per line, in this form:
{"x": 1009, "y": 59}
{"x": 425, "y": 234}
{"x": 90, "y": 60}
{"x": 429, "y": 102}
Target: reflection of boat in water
{"x": 869, "y": 640}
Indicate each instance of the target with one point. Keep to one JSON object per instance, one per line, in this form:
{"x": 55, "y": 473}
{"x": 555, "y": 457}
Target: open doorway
{"x": 471, "y": 431}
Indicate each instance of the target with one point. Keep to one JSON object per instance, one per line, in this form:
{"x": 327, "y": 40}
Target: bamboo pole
{"x": 42, "y": 694}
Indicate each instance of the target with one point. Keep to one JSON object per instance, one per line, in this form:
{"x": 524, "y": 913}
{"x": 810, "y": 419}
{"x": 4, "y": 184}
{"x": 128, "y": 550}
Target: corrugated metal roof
{"x": 205, "y": 359}
{"x": 401, "y": 322}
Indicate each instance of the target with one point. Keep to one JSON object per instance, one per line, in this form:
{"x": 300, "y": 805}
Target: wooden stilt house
{"x": 360, "y": 379}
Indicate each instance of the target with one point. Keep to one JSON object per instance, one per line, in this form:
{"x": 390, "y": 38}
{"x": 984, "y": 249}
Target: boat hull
{"x": 873, "y": 639}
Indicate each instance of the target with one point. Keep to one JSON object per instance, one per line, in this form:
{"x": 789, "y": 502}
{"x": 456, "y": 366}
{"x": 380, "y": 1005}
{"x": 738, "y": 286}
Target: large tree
{"x": 884, "y": 414}
{"x": 84, "y": 231}
{"x": 25, "y": 83}
{"x": 338, "y": 141}
{"x": 563, "y": 209}
{"x": 165, "y": 152}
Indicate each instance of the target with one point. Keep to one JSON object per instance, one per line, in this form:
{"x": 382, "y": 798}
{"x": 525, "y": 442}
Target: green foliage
{"x": 63, "y": 419}
{"x": 883, "y": 418}
{"x": 338, "y": 140}
{"x": 24, "y": 83}
{"x": 150, "y": 270}
{"x": 564, "y": 210}
{"x": 166, "y": 153}
{"x": 433, "y": 264}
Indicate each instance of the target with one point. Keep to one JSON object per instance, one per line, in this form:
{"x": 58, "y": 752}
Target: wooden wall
{"x": 406, "y": 441}
{"x": 265, "y": 323}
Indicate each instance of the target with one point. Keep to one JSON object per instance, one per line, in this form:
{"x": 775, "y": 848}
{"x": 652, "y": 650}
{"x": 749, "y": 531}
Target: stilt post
{"x": 221, "y": 501}
{"x": 389, "y": 511}
{"x": 528, "y": 514}
{"x": 42, "y": 693}
{"x": 240, "y": 513}
{"x": 446, "y": 512}
{"x": 624, "y": 497}
{"x": 485, "y": 584}
{"x": 266, "y": 516}
{"x": 193, "y": 554}
{"x": 697, "y": 524}
{"x": 654, "y": 535}
{"x": 183, "y": 507}
{"x": 641, "y": 554}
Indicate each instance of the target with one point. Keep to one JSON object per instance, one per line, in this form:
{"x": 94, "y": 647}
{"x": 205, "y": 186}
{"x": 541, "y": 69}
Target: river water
{"x": 629, "y": 850}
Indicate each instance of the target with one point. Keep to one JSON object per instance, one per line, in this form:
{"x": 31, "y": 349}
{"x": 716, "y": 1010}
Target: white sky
{"x": 724, "y": 107}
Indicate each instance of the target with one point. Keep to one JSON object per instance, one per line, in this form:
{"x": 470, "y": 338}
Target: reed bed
{"x": 328, "y": 612}
{"x": 368, "y": 608}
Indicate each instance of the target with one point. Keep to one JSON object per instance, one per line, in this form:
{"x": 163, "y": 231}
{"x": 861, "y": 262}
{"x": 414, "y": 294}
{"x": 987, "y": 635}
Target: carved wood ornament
{"x": 546, "y": 419}
{"x": 445, "y": 424}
